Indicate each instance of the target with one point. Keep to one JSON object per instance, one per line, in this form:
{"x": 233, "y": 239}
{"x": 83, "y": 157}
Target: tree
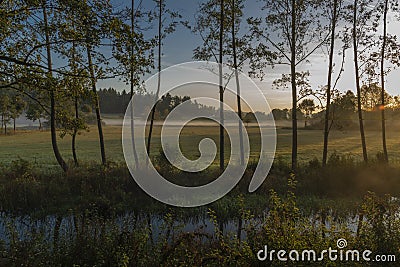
{"x": 92, "y": 39}
{"x": 375, "y": 51}
{"x": 18, "y": 106}
{"x": 76, "y": 92}
{"x": 5, "y": 110}
{"x": 249, "y": 117}
{"x": 342, "y": 110}
{"x": 88, "y": 24}
{"x": 395, "y": 102}
{"x": 389, "y": 52}
{"x": 221, "y": 89}
{"x": 385, "y": 12}
{"x": 36, "y": 36}
{"x": 293, "y": 29}
{"x": 77, "y": 89}
{"x": 371, "y": 96}
{"x": 129, "y": 38}
{"x": 333, "y": 11}
{"x": 162, "y": 32}
{"x": 160, "y": 25}
{"x": 307, "y": 106}
{"x": 74, "y": 86}
{"x": 51, "y": 85}
{"x": 210, "y": 25}
{"x": 234, "y": 7}
{"x": 218, "y": 24}
{"x": 35, "y": 112}
{"x": 280, "y": 114}
{"x": 26, "y": 59}
{"x": 360, "y": 19}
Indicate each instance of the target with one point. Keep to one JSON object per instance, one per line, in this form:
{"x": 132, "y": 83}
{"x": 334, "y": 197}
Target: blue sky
{"x": 178, "y": 48}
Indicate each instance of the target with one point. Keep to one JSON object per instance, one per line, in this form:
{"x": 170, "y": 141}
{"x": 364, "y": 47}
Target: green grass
{"x": 35, "y": 146}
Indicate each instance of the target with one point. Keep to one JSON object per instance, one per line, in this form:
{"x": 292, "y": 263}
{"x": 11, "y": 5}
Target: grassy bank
{"x": 97, "y": 216}
{"x": 27, "y": 188}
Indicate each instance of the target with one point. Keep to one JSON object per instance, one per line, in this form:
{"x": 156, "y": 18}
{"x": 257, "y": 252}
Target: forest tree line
{"x": 115, "y": 102}
{"x": 14, "y": 105}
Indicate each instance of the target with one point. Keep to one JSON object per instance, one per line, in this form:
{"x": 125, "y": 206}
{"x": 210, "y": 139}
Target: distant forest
{"x": 114, "y": 102}
{"x": 343, "y": 114}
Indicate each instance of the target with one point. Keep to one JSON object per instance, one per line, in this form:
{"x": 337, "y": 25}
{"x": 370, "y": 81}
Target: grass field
{"x": 35, "y": 146}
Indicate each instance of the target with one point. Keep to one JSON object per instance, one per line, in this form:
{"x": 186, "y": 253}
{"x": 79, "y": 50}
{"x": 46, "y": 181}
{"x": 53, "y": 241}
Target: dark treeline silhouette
{"x": 115, "y": 102}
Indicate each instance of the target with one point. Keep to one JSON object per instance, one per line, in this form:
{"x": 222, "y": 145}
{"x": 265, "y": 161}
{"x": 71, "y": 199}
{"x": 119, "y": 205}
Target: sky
{"x": 178, "y": 48}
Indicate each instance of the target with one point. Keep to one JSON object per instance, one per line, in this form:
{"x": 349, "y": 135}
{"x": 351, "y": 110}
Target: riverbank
{"x": 96, "y": 215}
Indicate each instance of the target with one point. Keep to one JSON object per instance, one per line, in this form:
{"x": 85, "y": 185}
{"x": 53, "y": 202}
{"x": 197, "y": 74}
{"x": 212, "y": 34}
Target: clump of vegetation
{"x": 26, "y": 189}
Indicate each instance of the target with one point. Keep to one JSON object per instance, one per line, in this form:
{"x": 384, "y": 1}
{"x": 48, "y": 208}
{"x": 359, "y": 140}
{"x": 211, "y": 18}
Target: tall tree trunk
{"x": 329, "y": 87}
{"x": 221, "y": 92}
{"x": 132, "y": 86}
{"x": 235, "y": 66}
{"x": 153, "y": 111}
{"x": 97, "y": 105}
{"x": 294, "y": 87}
{"x": 357, "y": 74}
{"x": 50, "y": 85}
{"x": 385, "y": 153}
{"x": 76, "y": 107}
{"x": 75, "y": 133}
{"x": 14, "y": 125}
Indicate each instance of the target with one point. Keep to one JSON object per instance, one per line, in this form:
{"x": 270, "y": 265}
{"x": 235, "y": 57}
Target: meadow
{"x": 35, "y": 146}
